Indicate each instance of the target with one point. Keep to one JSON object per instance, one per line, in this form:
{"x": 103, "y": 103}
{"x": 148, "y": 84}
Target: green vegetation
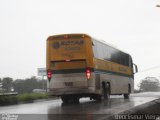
{"x": 25, "y": 97}
{"x": 27, "y": 85}
{"x": 31, "y": 96}
{"x": 24, "y": 88}
{"x": 7, "y": 100}
{"x": 149, "y": 84}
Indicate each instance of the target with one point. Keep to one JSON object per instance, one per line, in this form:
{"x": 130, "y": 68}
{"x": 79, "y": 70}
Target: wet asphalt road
{"x": 86, "y": 110}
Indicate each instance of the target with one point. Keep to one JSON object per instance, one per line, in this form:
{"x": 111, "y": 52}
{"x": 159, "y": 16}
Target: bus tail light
{"x": 88, "y": 73}
{"x": 49, "y": 74}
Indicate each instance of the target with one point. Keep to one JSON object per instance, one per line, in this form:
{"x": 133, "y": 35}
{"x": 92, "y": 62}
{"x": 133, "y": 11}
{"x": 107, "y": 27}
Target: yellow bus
{"x": 81, "y": 66}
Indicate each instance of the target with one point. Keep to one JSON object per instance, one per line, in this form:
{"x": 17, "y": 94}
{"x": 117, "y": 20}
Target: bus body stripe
{"x": 82, "y": 70}
{"x": 110, "y": 72}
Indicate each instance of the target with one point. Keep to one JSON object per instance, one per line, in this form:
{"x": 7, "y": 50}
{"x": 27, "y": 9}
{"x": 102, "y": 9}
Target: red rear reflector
{"x": 88, "y": 73}
{"x": 49, "y": 74}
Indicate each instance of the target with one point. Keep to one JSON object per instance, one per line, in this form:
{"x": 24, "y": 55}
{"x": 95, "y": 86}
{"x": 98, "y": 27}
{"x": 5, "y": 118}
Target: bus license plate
{"x": 68, "y": 83}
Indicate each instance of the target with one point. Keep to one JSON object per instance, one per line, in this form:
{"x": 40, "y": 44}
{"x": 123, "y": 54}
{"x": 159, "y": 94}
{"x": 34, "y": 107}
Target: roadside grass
{"x": 25, "y": 97}
{"x": 28, "y": 97}
{"x": 7, "y": 100}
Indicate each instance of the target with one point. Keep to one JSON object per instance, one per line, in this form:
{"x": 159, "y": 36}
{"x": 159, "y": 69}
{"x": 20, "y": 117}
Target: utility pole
{"x": 42, "y": 72}
{"x": 43, "y": 82}
{"x": 1, "y": 87}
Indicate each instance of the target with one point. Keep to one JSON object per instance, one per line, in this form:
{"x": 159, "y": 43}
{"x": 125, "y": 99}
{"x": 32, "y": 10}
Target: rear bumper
{"x": 68, "y": 91}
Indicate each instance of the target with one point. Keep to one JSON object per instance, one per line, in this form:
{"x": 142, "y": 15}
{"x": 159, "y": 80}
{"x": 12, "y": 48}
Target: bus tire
{"x": 70, "y": 99}
{"x": 75, "y": 100}
{"x": 105, "y": 92}
{"x": 64, "y": 99}
{"x": 127, "y": 96}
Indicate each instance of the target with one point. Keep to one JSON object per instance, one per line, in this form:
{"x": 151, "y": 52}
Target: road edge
{"x": 146, "y": 111}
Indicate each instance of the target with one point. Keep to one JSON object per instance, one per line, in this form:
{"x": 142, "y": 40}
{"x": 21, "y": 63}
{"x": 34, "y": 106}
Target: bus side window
{"x": 130, "y": 62}
{"x": 94, "y": 47}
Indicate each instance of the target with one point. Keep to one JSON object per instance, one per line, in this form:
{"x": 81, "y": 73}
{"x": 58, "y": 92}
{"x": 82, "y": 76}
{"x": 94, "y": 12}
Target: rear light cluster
{"x": 49, "y": 74}
{"x": 88, "y": 73}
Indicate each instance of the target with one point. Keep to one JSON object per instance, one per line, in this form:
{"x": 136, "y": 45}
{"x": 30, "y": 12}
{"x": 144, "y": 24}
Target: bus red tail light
{"x": 88, "y": 73}
{"x": 49, "y": 74}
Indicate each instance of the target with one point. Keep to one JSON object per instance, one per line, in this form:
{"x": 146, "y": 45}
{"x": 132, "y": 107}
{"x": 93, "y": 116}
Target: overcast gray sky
{"x": 131, "y": 25}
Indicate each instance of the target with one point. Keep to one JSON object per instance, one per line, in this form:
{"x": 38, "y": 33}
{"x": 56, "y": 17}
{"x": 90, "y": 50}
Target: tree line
{"x": 27, "y": 85}
{"x": 22, "y": 85}
{"x": 149, "y": 84}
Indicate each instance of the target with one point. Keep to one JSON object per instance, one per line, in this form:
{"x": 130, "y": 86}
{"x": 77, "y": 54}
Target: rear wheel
{"x": 75, "y": 100}
{"x": 105, "y": 92}
{"x": 64, "y": 99}
{"x": 127, "y": 96}
{"x": 70, "y": 99}
{"x": 108, "y": 91}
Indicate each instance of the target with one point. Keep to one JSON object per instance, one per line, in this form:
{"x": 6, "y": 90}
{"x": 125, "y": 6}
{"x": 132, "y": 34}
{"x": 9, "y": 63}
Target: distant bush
{"x": 31, "y": 96}
{"x": 25, "y": 97}
{"x": 7, "y": 100}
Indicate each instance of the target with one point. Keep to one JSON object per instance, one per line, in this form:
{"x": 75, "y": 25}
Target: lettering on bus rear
{"x": 68, "y": 49}
{"x": 58, "y": 44}
{"x": 68, "y": 84}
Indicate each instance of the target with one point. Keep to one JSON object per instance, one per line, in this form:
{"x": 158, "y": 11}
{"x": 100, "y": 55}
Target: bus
{"x": 79, "y": 65}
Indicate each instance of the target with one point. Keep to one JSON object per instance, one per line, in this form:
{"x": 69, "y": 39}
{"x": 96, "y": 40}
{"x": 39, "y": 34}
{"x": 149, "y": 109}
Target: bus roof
{"x": 69, "y": 35}
{"x": 84, "y": 35}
